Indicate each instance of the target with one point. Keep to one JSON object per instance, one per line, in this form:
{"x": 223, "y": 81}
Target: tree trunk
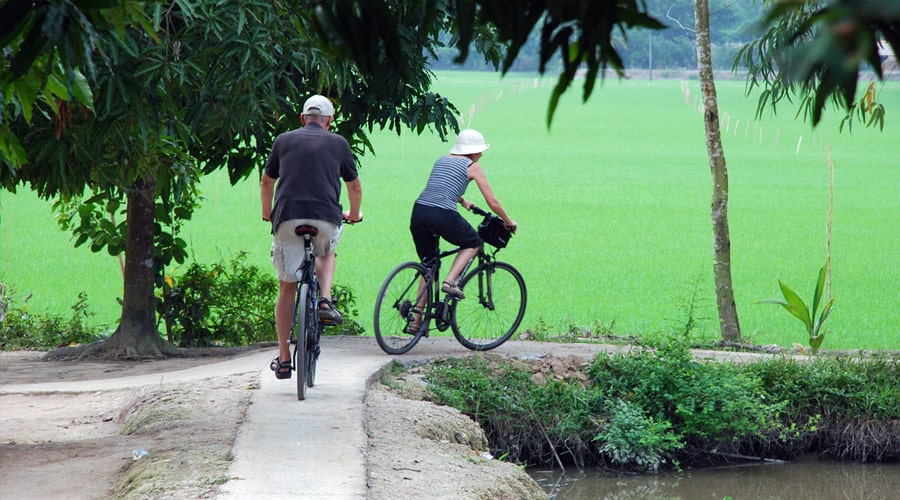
{"x": 3, "y": 306}
{"x": 728, "y": 317}
{"x": 137, "y": 336}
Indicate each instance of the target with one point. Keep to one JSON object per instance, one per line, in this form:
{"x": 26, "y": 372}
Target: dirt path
{"x": 213, "y": 424}
{"x": 80, "y": 423}
{"x": 69, "y": 429}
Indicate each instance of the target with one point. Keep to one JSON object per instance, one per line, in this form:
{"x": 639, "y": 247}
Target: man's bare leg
{"x": 284, "y": 314}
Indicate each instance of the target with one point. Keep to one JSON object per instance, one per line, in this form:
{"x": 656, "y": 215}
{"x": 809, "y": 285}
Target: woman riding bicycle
{"x": 435, "y": 214}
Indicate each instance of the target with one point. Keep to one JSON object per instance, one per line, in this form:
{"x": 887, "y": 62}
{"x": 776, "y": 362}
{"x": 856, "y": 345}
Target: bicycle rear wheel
{"x": 493, "y": 308}
{"x": 396, "y": 305}
{"x": 301, "y": 358}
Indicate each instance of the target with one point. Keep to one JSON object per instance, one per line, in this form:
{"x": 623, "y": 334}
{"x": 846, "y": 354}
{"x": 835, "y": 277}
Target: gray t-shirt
{"x": 309, "y": 163}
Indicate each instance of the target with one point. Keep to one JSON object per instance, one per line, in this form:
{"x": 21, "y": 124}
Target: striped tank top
{"x": 447, "y": 183}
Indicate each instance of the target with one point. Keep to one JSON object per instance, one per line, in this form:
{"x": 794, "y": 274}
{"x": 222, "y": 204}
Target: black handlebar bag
{"x": 494, "y": 233}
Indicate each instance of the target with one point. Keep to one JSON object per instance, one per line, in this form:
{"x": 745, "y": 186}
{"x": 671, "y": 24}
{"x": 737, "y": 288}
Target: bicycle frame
{"x": 306, "y": 274}
{"x": 307, "y": 271}
{"x": 440, "y": 306}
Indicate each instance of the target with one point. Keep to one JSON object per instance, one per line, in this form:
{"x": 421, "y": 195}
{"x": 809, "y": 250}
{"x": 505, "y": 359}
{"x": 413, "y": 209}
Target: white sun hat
{"x": 318, "y": 105}
{"x": 469, "y": 141}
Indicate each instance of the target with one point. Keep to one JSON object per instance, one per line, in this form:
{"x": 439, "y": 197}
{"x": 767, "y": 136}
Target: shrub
{"x": 219, "y": 305}
{"x": 185, "y": 306}
{"x": 232, "y": 305}
{"x": 849, "y": 407}
{"x": 637, "y": 410}
{"x": 524, "y": 420}
{"x": 709, "y": 405}
{"x": 22, "y": 330}
{"x": 642, "y": 409}
{"x": 529, "y": 422}
{"x": 632, "y": 439}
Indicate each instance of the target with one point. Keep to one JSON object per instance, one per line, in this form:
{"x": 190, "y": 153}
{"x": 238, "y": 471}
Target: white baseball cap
{"x": 469, "y": 141}
{"x": 318, "y": 105}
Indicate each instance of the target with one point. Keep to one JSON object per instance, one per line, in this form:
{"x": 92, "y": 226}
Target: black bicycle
{"x": 306, "y": 327}
{"x": 409, "y": 302}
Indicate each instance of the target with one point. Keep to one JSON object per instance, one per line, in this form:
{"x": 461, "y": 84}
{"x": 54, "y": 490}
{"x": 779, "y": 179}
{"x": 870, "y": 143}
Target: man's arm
{"x": 354, "y": 194}
{"x": 266, "y": 193}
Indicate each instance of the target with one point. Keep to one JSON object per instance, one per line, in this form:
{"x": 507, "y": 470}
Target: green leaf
{"x": 816, "y": 341}
{"x": 107, "y": 226}
{"x": 55, "y": 88}
{"x": 820, "y": 288}
{"x": 28, "y": 92}
{"x": 242, "y": 20}
{"x": 796, "y": 306}
{"x": 29, "y": 50}
{"x": 820, "y": 321}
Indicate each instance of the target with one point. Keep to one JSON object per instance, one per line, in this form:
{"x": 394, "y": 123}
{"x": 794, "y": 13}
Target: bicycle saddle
{"x": 305, "y": 229}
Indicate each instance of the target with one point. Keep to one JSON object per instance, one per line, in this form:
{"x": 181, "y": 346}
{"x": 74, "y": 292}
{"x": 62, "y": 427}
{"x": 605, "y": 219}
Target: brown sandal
{"x": 452, "y": 290}
{"x": 328, "y": 314}
{"x": 413, "y": 328}
{"x": 279, "y": 368}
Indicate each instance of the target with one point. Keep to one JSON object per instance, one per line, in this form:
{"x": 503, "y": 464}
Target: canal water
{"x": 790, "y": 481}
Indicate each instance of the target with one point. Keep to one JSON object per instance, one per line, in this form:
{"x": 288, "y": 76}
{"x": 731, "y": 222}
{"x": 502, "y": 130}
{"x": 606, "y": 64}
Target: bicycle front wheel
{"x": 301, "y": 359}
{"x": 493, "y": 308}
{"x": 401, "y": 297}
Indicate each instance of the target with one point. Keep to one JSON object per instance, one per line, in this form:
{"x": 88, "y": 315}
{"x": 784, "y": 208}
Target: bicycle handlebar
{"x": 479, "y": 211}
{"x": 351, "y": 222}
{"x": 484, "y": 213}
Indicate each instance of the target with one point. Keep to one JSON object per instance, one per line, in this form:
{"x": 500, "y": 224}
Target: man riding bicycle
{"x": 308, "y": 165}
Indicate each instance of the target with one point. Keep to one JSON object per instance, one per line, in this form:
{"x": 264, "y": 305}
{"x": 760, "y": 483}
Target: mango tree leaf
{"x": 27, "y": 92}
{"x": 54, "y": 88}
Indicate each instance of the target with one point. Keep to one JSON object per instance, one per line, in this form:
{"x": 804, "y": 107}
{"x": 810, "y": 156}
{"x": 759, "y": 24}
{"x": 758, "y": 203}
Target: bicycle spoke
{"x": 395, "y": 307}
{"x": 493, "y": 308}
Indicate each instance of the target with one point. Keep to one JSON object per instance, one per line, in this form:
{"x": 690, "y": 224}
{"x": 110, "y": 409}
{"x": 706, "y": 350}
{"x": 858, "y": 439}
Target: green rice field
{"x": 613, "y": 203}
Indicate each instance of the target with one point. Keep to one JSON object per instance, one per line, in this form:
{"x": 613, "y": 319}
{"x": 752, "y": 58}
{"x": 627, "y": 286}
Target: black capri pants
{"x": 427, "y": 222}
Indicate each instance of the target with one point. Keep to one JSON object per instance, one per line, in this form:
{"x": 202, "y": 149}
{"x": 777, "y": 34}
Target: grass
{"x": 613, "y": 204}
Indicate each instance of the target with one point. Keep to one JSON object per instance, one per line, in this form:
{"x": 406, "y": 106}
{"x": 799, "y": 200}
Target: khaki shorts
{"x": 287, "y": 247}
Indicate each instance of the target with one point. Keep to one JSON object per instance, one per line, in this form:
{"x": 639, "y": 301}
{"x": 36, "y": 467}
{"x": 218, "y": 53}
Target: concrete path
{"x": 322, "y": 438}
{"x": 325, "y": 434}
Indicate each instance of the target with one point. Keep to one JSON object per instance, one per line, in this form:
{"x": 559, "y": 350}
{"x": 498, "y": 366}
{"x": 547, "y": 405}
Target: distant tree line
{"x": 732, "y": 25}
